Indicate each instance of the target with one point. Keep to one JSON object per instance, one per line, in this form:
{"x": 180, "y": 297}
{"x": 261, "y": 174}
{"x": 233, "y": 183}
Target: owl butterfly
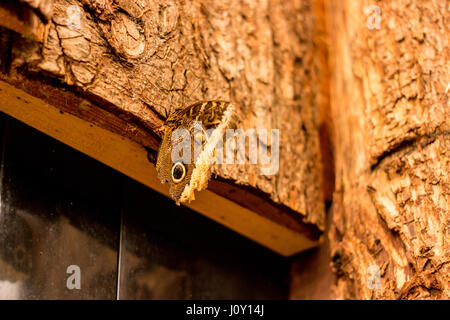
{"x": 184, "y": 177}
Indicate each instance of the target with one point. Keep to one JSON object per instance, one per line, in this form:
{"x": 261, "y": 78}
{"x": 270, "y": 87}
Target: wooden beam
{"x": 130, "y": 158}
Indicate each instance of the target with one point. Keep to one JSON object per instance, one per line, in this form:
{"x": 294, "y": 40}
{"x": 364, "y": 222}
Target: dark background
{"x": 61, "y": 208}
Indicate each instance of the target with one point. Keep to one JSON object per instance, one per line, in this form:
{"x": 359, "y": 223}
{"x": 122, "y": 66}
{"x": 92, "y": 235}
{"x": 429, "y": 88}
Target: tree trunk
{"x": 390, "y": 106}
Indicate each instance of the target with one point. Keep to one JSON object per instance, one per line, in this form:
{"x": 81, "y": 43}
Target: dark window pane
{"x": 171, "y": 252}
{"x": 58, "y": 208}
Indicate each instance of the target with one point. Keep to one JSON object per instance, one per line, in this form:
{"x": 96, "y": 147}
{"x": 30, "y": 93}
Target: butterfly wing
{"x": 164, "y": 165}
{"x": 219, "y": 115}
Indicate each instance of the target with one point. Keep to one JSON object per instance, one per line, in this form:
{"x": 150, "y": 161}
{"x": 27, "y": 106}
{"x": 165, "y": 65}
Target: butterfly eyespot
{"x": 178, "y": 172}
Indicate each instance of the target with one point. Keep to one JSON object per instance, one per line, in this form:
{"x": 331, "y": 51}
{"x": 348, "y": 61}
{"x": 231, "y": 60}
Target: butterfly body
{"x": 193, "y": 172}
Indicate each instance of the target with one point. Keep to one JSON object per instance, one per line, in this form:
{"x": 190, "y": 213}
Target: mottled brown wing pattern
{"x": 208, "y": 112}
{"x": 211, "y": 114}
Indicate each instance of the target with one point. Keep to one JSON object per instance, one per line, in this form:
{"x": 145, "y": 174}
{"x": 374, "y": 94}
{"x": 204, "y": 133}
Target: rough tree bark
{"x": 390, "y": 108}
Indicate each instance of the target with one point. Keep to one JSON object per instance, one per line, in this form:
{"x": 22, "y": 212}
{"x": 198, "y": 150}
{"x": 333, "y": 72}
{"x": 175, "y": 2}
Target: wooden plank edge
{"x": 130, "y": 158}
